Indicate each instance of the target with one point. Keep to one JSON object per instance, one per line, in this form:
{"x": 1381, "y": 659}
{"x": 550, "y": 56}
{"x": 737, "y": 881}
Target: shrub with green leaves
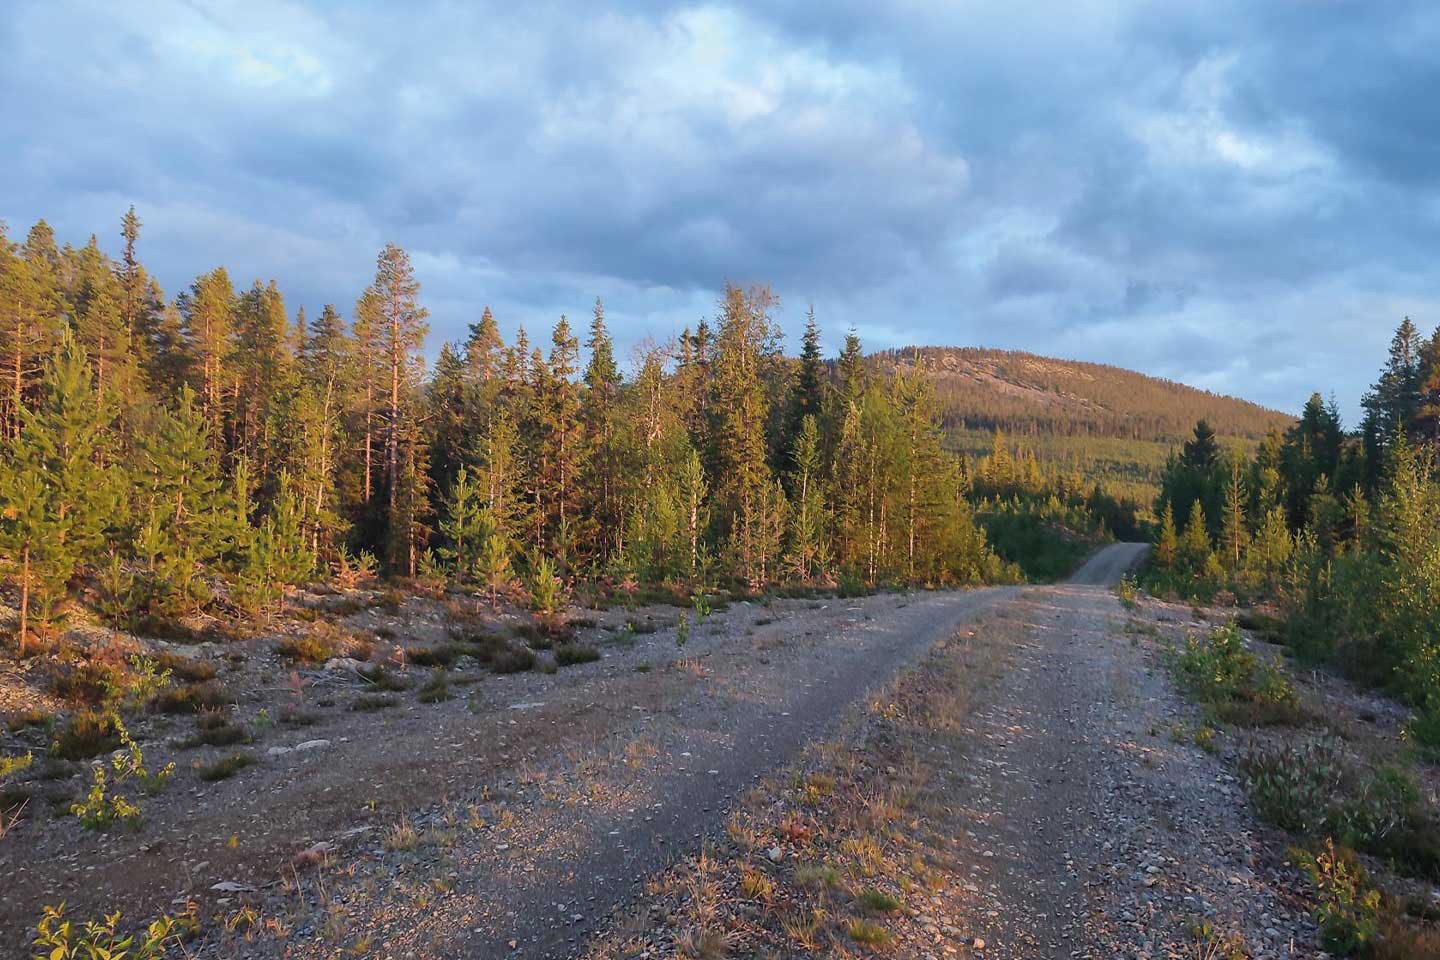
{"x": 104, "y": 805}
{"x": 1294, "y": 786}
{"x": 60, "y": 939}
{"x": 1232, "y": 681}
{"x": 1349, "y": 907}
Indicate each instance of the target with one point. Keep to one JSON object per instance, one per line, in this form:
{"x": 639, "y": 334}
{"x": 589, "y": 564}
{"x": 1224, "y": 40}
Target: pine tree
{"x": 58, "y": 500}
{"x": 209, "y": 331}
{"x": 326, "y": 361}
{"x": 499, "y": 478}
{"x": 1272, "y": 547}
{"x": 492, "y": 564}
{"x": 262, "y": 371}
{"x": 99, "y": 324}
{"x": 29, "y": 323}
{"x": 464, "y": 526}
{"x": 182, "y": 502}
{"x": 365, "y": 329}
{"x": 407, "y": 528}
{"x": 401, "y": 333}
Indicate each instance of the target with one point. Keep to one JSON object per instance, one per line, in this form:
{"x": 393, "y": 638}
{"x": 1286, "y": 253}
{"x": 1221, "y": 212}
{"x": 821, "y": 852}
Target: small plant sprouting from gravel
{"x": 226, "y": 767}
{"x": 877, "y": 901}
{"x": 436, "y": 689}
{"x": 867, "y": 933}
{"x": 570, "y": 654}
{"x": 374, "y": 701}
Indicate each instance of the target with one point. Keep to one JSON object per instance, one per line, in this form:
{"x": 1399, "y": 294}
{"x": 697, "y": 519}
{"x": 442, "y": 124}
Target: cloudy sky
{"x": 1243, "y": 196}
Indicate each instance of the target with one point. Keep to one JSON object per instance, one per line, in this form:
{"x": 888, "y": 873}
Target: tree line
{"x": 1340, "y": 529}
{"x": 164, "y": 456}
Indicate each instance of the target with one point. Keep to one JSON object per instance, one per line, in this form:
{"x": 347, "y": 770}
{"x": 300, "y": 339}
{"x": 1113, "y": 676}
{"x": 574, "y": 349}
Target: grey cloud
{"x": 1202, "y": 192}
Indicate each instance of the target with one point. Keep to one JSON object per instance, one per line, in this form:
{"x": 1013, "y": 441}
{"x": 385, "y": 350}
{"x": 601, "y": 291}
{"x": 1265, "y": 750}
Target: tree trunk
{"x": 24, "y": 597}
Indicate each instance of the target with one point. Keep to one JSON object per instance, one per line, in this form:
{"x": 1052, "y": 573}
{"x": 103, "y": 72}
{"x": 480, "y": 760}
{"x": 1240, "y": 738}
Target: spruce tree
{"x": 1234, "y": 535}
{"x": 448, "y": 418}
{"x": 1195, "y": 541}
{"x": 601, "y": 464}
{"x": 806, "y": 390}
{"x": 559, "y": 441}
{"x": 483, "y": 350}
{"x": 807, "y": 517}
{"x": 740, "y": 412}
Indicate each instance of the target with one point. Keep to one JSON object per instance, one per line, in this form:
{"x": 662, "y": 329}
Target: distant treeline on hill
{"x": 1026, "y": 395}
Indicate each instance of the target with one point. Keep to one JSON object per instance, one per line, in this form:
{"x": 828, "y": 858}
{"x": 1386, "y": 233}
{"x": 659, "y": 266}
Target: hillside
{"x": 1115, "y": 424}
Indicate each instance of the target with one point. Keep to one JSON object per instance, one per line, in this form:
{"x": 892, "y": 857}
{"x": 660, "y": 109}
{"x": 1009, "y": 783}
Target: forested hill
{"x": 1022, "y": 394}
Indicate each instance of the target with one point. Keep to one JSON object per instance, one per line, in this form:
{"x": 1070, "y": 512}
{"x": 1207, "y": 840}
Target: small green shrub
{"x": 313, "y": 648}
{"x": 9, "y": 766}
{"x": 443, "y": 655}
{"x": 187, "y": 669}
{"x": 214, "y": 729}
{"x": 88, "y": 734}
{"x": 1294, "y": 786}
{"x": 104, "y": 805}
{"x": 1128, "y": 592}
{"x": 1234, "y": 683}
{"x": 513, "y": 659}
{"x": 298, "y": 717}
{"x": 877, "y": 901}
{"x": 194, "y": 698}
{"x": 1349, "y": 907}
{"x": 227, "y": 767}
{"x": 374, "y": 701}
{"x": 569, "y": 654}
{"x": 60, "y": 939}
{"x": 379, "y": 678}
{"x": 436, "y": 689}
{"x": 867, "y": 933}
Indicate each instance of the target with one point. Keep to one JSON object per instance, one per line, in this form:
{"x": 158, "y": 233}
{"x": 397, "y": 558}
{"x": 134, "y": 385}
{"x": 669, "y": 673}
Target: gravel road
{"x": 754, "y": 719}
{"x": 1097, "y": 830}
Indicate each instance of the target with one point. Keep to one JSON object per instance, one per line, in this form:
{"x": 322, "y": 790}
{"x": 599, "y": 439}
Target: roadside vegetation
{"x": 1365, "y": 826}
